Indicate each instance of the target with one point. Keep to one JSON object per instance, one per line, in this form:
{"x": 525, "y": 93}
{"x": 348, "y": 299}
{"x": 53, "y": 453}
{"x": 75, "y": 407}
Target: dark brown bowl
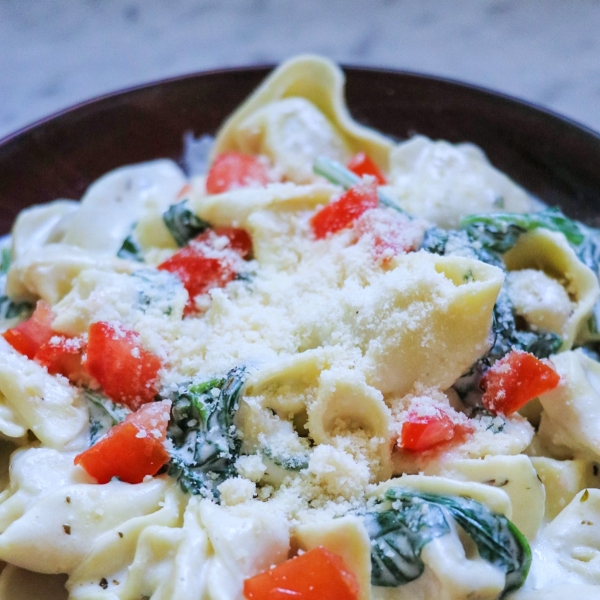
{"x": 554, "y": 158}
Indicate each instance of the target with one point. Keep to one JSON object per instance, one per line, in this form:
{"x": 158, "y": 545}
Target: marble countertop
{"x": 55, "y": 53}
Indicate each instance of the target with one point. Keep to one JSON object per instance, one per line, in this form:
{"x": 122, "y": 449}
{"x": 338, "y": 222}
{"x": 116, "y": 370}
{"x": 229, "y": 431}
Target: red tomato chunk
{"x": 421, "y": 432}
{"x": 388, "y": 233}
{"x": 232, "y": 170}
{"x": 315, "y": 575}
{"x": 127, "y": 373}
{"x": 345, "y": 211}
{"x": 206, "y": 263}
{"x": 361, "y": 164}
{"x": 515, "y": 380}
{"x": 27, "y": 337}
{"x": 63, "y": 355}
{"x": 131, "y": 450}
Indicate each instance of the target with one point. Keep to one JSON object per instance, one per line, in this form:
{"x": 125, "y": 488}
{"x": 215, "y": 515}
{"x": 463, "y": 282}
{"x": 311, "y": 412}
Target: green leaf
{"x": 205, "y": 441}
{"x": 336, "y": 173}
{"x": 104, "y": 413}
{"x": 289, "y": 462}
{"x": 131, "y": 250}
{"x": 397, "y": 539}
{"x": 498, "y": 541}
{"x": 500, "y": 231}
{"x": 183, "y": 224}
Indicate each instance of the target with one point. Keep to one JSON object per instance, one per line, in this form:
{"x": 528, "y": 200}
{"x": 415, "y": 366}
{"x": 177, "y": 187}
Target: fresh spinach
{"x": 204, "y": 439}
{"x": 289, "y": 462}
{"x": 508, "y": 337}
{"x": 397, "y": 539}
{"x": 183, "y": 224}
{"x": 131, "y": 250}
{"x": 399, "y": 534}
{"x": 9, "y": 309}
{"x": 104, "y": 413}
{"x": 340, "y": 175}
{"x": 499, "y": 231}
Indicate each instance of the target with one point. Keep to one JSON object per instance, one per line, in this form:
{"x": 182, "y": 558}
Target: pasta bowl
{"x": 60, "y": 156}
{"x": 315, "y": 361}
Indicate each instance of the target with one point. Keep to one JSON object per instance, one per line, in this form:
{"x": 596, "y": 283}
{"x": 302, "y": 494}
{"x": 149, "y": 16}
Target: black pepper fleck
{"x": 68, "y": 499}
{"x": 67, "y": 529}
{"x": 120, "y": 534}
{"x": 103, "y": 583}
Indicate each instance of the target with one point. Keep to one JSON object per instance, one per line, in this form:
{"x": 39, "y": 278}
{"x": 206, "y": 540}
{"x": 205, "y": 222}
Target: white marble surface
{"x": 54, "y": 53}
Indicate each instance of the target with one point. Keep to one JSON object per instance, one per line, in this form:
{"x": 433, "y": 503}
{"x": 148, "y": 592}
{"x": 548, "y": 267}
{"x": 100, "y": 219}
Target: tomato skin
{"x": 239, "y": 239}
{"x": 361, "y": 164}
{"x": 132, "y": 449}
{"x": 346, "y": 210}
{"x": 315, "y": 575}
{"x": 63, "y": 355}
{"x": 197, "y": 272}
{"x": 515, "y": 380}
{"x": 127, "y": 373}
{"x": 232, "y": 170}
{"x": 389, "y": 234}
{"x": 205, "y": 263}
{"x": 27, "y": 337}
{"x": 421, "y": 432}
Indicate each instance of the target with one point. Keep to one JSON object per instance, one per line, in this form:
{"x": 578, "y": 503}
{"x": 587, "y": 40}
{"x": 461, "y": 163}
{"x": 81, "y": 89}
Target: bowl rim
{"x": 267, "y": 67}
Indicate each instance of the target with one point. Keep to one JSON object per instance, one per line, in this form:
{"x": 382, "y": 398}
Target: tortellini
{"x": 442, "y": 182}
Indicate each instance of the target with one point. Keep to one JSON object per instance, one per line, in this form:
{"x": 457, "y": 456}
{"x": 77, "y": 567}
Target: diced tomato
{"x": 197, "y": 272}
{"x": 390, "y": 234}
{"x": 28, "y": 337}
{"x": 205, "y": 263}
{"x": 232, "y": 170}
{"x": 421, "y": 432}
{"x": 63, "y": 355}
{"x": 515, "y": 380}
{"x": 315, "y": 575}
{"x": 238, "y": 240}
{"x": 132, "y": 449}
{"x": 361, "y": 164}
{"x": 116, "y": 360}
{"x": 346, "y": 210}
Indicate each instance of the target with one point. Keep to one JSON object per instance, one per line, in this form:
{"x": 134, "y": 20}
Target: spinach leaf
{"x": 183, "y": 224}
{"x": 397, "y": 538}
{"x": 508, "y": 337}
{"x": 448, "y": 242}
{"x": 104, "y": 413}
{"x": 131, "y": 250}
{"x": 498, "y": 541}
{"x": 9, "y": 309}
{"x": 289, "y": 462}
{"x": 205, "y": 442}
{"x": 499, "y": 231}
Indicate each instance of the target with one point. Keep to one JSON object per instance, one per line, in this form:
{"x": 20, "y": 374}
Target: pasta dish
{"x": 317, "y": 364}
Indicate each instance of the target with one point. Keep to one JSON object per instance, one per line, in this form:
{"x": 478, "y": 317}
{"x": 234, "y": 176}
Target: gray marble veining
{"x": 54, "y": 53}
